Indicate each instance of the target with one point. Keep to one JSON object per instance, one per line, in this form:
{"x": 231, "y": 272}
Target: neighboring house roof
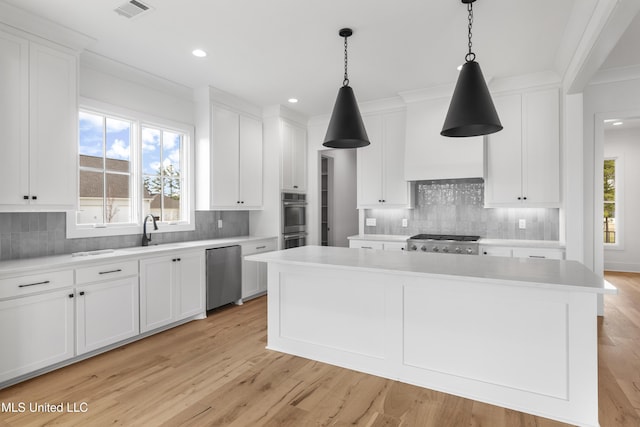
{"x": 91, "y": 183}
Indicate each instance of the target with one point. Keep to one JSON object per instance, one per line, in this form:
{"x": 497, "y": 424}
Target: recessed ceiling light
{"x": 617, "y": 123}
{"x": 611, "y": 120}
{"x": 199, "y": 53}
{"x": 293, "y": 100}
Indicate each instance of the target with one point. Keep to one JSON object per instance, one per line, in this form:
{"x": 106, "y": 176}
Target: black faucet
{"x": 146, "y": 239}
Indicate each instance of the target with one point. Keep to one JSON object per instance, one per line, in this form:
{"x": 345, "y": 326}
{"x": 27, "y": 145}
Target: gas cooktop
{"x": 444, "y": 243}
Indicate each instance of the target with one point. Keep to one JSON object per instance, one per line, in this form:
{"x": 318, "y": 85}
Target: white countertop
{"x": 21, "y": 266}
{"x": 556, "y": 274}
{"x": 555, "y": 244}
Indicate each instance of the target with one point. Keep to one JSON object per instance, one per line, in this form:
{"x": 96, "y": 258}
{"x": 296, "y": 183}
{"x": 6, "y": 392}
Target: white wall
{"x": 117, "y": 84}
{"x": 601, "y": 101}
{"x": 344, "y": 201}
{"x": 624, "y": 146}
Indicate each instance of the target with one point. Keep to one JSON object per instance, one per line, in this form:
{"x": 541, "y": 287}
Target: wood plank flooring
{"x": 216, "y": 372}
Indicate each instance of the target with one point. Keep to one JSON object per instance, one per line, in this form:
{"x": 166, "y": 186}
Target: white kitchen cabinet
{"x": 38, "y": 117}
{"x": 172, "y": 288}
{"x": 374, "y": 244}
{"x": 37, "y": 331}
{"x": 254, "y": 274}
{"x": 236, "y": 160}
{"x": 522, "y": 162}
{"x": 294, "y": 157}
{"x": 540, "y": 253}
{"x": 107, "y": 305}
{"x": 380, "y": 165}
{"x": 522, "y": 252}
{"x": 429, "y": 155}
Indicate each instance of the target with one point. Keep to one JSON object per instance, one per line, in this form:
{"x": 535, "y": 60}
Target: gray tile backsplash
{"x": 457, "y": 207}
{"x": 28, "y": 235}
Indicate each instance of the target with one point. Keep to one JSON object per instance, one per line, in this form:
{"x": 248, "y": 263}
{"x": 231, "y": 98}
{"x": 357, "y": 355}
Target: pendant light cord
{"x": 345, "y": 82}
{"x": 469, "y": 56}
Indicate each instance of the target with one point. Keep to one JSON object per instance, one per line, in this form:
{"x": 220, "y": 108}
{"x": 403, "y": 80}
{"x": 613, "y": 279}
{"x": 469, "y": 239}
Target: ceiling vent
{"x": 132, "y": 8}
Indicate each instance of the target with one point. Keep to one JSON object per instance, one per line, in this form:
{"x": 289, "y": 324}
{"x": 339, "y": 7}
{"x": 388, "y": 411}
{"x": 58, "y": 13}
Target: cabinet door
{"x": 37, "y": 331}
{"x": 250, "y": 178}
{"x": 395, "y": 190}
{"x": 225, "y": 170}
{"x": 14, "y": 119}
{"x": 254, "y": 274}
{"x": 106, "y": 313}
{"x": 294, "y": 158}
{"x": 190, "y": 283}
{"x": 503, "y": 155}
{"x": 157, "y": 294}
{"x": 53, "y": 123}
{"x": 541, "y": 148}
{"x": 369, "y": 164}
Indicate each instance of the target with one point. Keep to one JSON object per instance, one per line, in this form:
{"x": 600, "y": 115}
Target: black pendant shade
{"x": 471, "y": 112}
{"x": 346, "y": 129}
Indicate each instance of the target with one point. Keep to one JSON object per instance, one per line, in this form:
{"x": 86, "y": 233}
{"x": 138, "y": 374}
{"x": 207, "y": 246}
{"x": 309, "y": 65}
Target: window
{"x": 130, "y": 165}
{"x": 609, "y": 220}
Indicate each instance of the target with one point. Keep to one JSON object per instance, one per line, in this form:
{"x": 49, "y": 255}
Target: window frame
{"x": 139, "y": 120}
{"x": 619, "y": 203}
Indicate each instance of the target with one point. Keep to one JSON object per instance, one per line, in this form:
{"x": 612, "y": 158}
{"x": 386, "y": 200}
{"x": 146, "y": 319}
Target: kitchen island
{"x": 518, "y": 333}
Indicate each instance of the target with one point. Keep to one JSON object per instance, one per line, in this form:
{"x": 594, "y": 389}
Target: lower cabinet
{"x": 172, "y": 288}
{"x": 522, "y": 252}
{"x": 373, "y": 244}
{"x": 37, "y": 331}
{"x": 106, "y": 313}
{"x": 254, "y": 274}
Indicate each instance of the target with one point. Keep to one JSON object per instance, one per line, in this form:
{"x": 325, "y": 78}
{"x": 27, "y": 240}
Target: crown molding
{"x": 613, "y": 75}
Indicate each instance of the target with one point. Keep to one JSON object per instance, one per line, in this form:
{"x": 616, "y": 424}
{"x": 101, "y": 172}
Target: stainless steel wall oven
{"x": 294, "y": 220}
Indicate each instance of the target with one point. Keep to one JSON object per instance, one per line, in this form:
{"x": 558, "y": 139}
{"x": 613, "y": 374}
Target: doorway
{"x": 326, "y": 200}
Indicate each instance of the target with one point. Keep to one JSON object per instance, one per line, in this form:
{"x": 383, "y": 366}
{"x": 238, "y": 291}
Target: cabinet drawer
{"x": 365, "y": 244}
{"x": 106, "y": 271}
{"x": 541, "y": 253}
{"x": 32, "y": 283}
{"x": 258, "y": 247}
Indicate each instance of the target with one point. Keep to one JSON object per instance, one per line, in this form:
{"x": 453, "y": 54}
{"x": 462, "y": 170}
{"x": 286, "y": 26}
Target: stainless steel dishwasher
{"x": 224, "y": 276}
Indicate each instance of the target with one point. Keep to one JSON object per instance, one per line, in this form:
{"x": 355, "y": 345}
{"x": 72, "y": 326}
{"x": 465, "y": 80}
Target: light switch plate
{"x": 522, "y": 224}
{"x": 405, "y": 223}
{"x": 219, "y": 223}
{"x": 370, "y": 222}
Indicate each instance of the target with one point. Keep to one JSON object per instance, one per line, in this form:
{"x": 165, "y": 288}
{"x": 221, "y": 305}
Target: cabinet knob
{"x": 519, "y": 198}
{"x": 525, "y": 198}
{"x": 242, "y": 201}
{"x": 70, "y": 295}
{"x": 82, "y": 293}
{"x": 34, "y": 197}
{"x": 295, "y": 186}
{"x": 25, "y": 197}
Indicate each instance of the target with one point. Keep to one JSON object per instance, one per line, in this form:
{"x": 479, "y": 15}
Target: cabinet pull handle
{"x": 537, "y": 256}
{"x": 366, "y": 247}
{"x": 111, "y": 271}
{"x": 82, "y": 293}
{"x": 34, "y": 284}
{"x": 260, "y": 247}
{"x": 25, "y": 197}
{"x": 295, "y": 186}
{"x": 70, "y": 295}
{"x": 34, "y": 197}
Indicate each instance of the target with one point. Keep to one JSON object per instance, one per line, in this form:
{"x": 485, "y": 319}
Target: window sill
{"x": 78, "y": 232}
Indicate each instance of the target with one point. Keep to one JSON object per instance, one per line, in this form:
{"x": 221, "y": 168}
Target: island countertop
{"x": 558, "y": 274}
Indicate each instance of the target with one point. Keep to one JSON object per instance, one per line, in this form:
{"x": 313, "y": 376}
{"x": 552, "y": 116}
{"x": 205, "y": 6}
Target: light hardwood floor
{"x": 216, "y": 372}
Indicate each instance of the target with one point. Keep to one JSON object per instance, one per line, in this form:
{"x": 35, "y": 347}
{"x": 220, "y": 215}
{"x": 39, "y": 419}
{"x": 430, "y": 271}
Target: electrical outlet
{"x": 219, "y": 223}
{"x": 370, "y": 222}
{"x": 405, "y": 223}
{"x": 522, "y": 224}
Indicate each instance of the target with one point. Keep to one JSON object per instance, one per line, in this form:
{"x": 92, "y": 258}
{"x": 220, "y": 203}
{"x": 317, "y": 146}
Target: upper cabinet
{"x": 38, "y": 118}
{"x": 428, "y": 154}
{"x": 229, "y": 153}
{"x": 380, "y": 165}
{"x": 236, "y": 147}
{"x": 522, "y": 162}
{"x": 294, "y": 157}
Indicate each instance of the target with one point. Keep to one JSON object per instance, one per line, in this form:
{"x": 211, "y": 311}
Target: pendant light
{"x": 346, "y": 129}
{"x": 471, "y": 112}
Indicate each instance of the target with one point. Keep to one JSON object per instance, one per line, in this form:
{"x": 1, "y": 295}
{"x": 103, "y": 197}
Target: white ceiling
{"x": 269, "y": 51}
